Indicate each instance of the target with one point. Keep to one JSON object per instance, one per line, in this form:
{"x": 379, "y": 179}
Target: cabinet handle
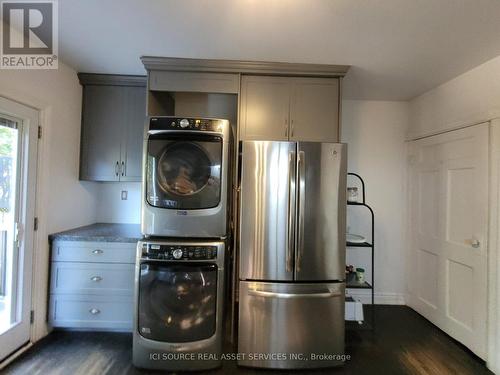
{"x": 97, "y": 251}
{"x": 474, "y": 242}
{"x": 293, "y": 128}
{"x": 94, "y": 311}
{"x": 286, "y": 131}
{"x": 123, "y": 168}
{"x": 117, "y": 168}
{"x": 96, "y": 278}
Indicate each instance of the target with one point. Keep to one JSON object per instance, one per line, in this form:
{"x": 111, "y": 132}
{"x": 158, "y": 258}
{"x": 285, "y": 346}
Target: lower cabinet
{"x": 92, "y": 289}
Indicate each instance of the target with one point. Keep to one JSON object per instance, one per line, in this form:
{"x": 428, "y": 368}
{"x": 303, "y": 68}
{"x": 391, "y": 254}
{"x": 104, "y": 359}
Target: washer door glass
{"x": 184, "y": 171}
{"x": 177, "y": 302}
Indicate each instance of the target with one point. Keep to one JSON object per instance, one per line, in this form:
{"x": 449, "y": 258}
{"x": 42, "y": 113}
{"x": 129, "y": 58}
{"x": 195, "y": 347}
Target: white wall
{"x": 470, "y": 98}
{"x": 112, "y": 209}
{"x": 63, "y": 202}
{"x": 375, "y": 132}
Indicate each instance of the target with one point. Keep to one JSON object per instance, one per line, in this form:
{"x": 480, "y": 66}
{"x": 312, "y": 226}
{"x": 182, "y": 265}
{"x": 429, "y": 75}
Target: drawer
{"x": 86, "y": 311}
{"x": 102, "y": 252}
{"x": 268, "y": 307}
{"x": 92, "y": 278}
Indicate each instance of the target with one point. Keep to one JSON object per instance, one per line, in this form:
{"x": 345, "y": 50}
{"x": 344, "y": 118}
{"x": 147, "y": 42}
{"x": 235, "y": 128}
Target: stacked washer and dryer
{"x": 180, "y": 262}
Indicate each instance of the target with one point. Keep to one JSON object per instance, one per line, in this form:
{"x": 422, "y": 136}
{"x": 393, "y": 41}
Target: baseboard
{"x": 381, "y": 298}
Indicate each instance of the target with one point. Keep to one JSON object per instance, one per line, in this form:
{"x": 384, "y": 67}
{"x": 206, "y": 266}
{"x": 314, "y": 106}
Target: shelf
{"x": 368, "y": 248}
{"x": 358, "y": 244}
{"x": 352, "y": 283}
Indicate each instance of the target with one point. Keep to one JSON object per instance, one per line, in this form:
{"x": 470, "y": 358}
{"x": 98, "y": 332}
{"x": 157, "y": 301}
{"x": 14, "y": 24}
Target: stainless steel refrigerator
{"x": 292, "y": 254}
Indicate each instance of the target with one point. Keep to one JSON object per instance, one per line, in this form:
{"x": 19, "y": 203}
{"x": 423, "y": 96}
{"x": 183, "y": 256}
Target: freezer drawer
{"x": 291, "y": 326}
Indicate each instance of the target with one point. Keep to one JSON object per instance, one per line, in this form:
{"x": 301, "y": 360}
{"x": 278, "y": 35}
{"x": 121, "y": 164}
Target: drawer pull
{"x": 96, "y": 278}
{"x": 94, "y": 311}
{"x": 97, "y": 251}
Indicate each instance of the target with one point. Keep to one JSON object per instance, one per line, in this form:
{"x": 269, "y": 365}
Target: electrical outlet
{"x": 124, "y": 195}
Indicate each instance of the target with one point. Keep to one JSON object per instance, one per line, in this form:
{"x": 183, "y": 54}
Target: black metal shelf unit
{"x": 351, "y": 282}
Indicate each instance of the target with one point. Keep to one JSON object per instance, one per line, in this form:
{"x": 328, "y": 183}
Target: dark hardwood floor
{"x": 402, "y": 343}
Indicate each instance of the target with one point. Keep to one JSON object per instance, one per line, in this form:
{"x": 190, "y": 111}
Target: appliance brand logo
{"x": 29, "y": 35}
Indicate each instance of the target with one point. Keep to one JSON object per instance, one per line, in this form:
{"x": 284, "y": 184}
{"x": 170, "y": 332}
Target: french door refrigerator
{"x": 292, "y": 254}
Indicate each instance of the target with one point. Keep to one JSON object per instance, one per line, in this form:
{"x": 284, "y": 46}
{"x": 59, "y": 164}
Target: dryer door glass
{"x": 177, "y": 302}
{"x": 184, "y": 171}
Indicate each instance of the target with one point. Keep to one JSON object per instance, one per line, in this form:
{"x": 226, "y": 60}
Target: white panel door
{"x": 448, "y": 189}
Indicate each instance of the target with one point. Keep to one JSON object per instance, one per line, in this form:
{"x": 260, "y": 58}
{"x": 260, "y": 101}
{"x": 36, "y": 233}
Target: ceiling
{"x": 398, "y": 49}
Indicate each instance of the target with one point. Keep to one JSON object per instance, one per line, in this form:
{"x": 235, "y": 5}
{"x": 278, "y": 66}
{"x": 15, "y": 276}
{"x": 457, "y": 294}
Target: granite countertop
{"x": 101, "y": 232}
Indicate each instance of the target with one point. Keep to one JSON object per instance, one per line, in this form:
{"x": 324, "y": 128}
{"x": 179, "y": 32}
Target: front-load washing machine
{"x": 179, "y": 289}
{"x": 185, "y": 179}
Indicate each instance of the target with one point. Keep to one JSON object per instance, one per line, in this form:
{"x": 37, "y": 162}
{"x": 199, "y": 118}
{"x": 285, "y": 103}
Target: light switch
{"x": 124, "y": 195}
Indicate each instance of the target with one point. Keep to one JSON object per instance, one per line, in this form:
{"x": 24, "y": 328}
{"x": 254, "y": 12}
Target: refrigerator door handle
{"x": 291, "y": 211}
{"x": 262, "y": 293}
{"x": 301, "y": 178}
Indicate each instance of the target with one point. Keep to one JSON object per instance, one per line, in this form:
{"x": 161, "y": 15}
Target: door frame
{"x": 493, "y": 339}
{"x": 30, "y": 123}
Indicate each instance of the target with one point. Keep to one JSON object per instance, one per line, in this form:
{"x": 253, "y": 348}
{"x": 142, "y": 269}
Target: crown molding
{"x": 243, "y": 67}
{"x": 112, "y": 79}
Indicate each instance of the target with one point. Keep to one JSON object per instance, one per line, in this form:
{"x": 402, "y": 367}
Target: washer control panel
{"x": 178, "y": 252}
{"x": 179, "y": 123}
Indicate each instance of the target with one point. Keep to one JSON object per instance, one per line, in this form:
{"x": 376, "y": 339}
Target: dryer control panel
{"x": 178, "y": 252}
{"x": 179, "y": 123}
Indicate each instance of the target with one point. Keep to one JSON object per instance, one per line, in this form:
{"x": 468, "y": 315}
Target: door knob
{"x": 94, "y": 311}
{"x": 475, "y": 243}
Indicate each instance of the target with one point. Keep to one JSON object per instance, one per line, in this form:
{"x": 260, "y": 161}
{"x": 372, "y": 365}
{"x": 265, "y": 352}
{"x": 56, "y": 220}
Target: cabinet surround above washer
{"x": 277, "y": 101}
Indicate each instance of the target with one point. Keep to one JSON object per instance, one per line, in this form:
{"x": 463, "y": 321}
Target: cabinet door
{"x": 265, "y": 105}
{"x": 315, "y": 110}
{"x": 101, "y": 132}
{"x": 131, "y": 150}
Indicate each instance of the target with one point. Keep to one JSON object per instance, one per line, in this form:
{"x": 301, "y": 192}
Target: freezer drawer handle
{"x": 261, "y": 293}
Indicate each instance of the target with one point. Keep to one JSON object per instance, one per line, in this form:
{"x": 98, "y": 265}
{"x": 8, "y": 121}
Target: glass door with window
{"x": 18, "y": 142}
{"x": 9, "y": 257}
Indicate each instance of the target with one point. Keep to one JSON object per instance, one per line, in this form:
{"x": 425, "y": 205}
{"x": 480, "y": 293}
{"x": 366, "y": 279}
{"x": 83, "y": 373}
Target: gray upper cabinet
{"x": 113, "y": 116}
{"x": 314, "y": 110}
{"x": 265, "y": 108}
{"x": 131, "y": 150}
{"x": 101, "y": 133}
{"x": 289, "y": 108}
